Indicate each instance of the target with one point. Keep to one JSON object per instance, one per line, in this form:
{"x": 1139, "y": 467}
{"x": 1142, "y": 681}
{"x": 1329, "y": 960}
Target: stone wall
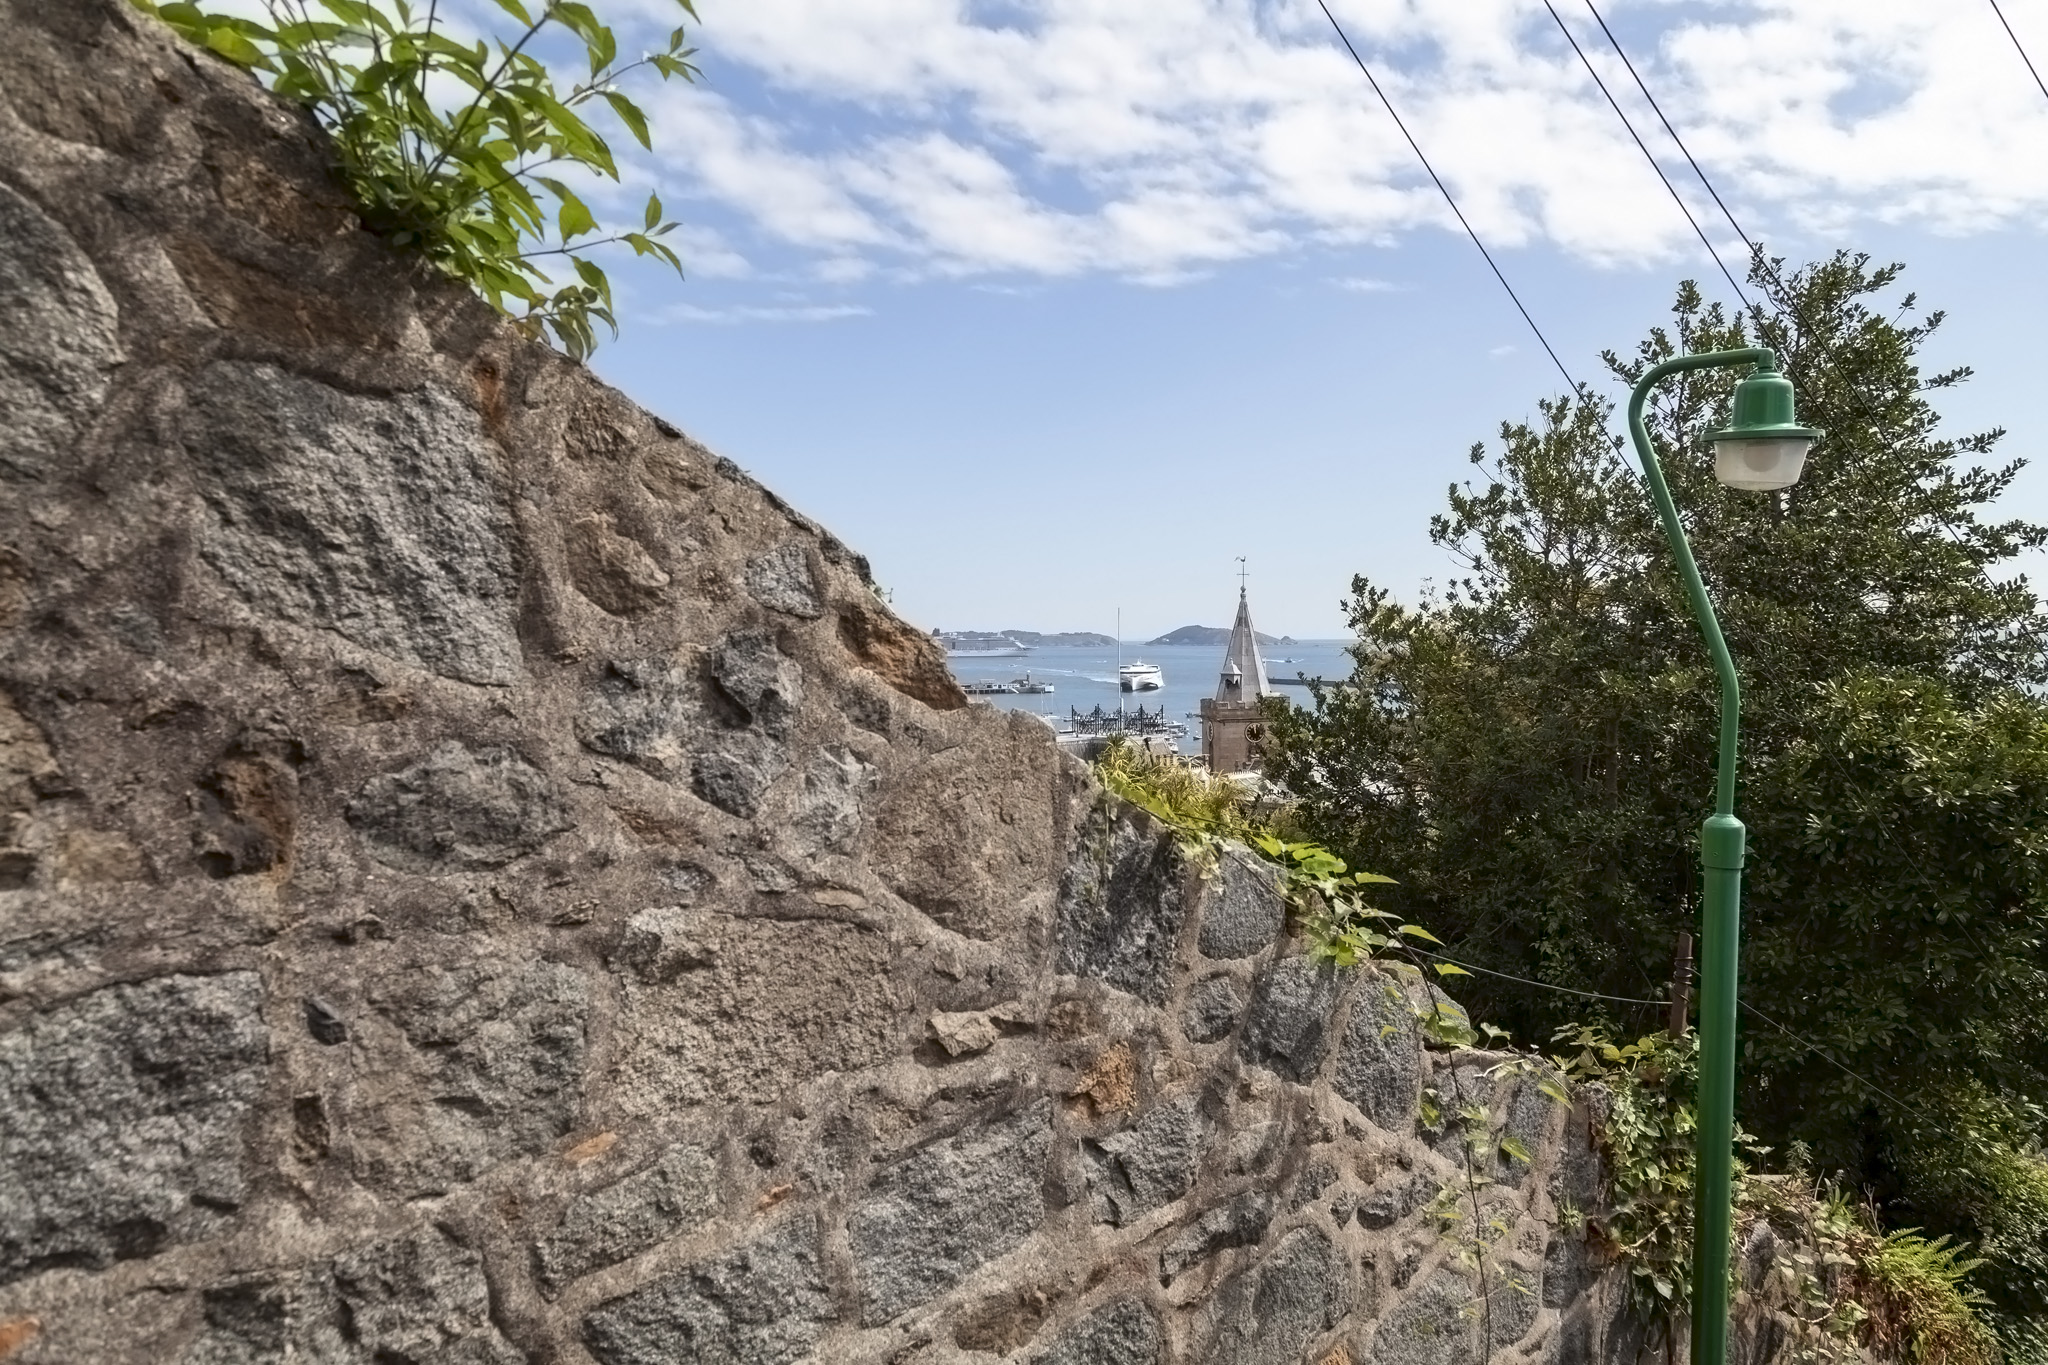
{"x": 482, "y": 880}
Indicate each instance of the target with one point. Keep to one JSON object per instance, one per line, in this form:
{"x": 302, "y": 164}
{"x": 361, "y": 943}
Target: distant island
{"x": 1075, "y": 639}
{"x": 989, "y": 641}
{"x": 1213, "y": 635}
{"x": 984, "y": 641}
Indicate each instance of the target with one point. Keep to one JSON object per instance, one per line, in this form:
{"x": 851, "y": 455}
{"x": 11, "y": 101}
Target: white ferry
{"x": 1140, "y": 677}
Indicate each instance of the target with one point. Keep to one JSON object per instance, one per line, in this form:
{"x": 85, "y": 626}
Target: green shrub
{"x": 1841, "y": 1282}
{"x": 466, "y": 186}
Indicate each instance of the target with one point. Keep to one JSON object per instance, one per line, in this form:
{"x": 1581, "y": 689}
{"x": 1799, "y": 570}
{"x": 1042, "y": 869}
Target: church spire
{"x": 1244, "y": 672}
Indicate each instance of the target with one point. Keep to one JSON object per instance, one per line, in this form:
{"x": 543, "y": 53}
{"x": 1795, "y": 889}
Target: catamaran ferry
{"x": 1140, "y": 677}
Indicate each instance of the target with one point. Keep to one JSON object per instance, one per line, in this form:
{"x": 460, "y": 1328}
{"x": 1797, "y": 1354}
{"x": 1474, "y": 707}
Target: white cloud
{"x": 1159, "y": 140}
{"x": 810, "y": 312}
{"x": 1359, "y": 284}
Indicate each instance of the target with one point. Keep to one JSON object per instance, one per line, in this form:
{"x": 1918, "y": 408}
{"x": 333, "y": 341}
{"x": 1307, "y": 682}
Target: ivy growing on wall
{"x": 1839, "y": 1282}
{"x": 464, "y": 150}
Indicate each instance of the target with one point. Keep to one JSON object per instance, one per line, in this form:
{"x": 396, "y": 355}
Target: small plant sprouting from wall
{"x": 474, "y": 185}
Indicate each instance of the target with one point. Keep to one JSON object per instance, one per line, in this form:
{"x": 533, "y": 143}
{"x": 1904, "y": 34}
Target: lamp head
{"x": 1763, "y": 447}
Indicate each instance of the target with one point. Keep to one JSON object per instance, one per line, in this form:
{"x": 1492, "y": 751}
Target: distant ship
{"x": 991, "y": 688}
{"x": 1140, "y": 677}
{"x": 979, "y": 644}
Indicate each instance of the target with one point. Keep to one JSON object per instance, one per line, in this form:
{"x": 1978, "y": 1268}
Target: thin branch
{"x": 462, "y": 122}
{"x": 566, "y": 250}
{"x": 426, "y": 57}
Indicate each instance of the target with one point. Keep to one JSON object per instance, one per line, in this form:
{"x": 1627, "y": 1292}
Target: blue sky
{"x": 1057, "y": 308}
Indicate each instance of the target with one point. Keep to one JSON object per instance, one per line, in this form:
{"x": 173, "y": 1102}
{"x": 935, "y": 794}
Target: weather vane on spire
{"x": 1242, "y": 574}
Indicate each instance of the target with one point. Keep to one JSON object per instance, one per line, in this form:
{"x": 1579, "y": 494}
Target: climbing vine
{"x": 1840, "y": 1283}
{"x": 1836, "y": 1279}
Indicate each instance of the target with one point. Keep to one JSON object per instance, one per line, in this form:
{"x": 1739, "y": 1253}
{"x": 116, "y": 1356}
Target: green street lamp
{"x": 1763, "y": 448}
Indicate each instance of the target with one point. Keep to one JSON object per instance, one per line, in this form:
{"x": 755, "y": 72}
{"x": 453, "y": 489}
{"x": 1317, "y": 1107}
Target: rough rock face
{"x": 483, "y": 881}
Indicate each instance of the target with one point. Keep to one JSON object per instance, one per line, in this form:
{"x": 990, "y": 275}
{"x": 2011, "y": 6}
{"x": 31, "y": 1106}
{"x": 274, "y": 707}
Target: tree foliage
{"x": 449, "y": 145}
{"x": 1530, "y": 750}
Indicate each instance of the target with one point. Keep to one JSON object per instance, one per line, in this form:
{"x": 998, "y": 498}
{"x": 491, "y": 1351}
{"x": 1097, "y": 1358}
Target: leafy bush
{"x": 1840, "y": 1282}
{"x": 465, "y": 186}
{"x": 1649, "y": 1134}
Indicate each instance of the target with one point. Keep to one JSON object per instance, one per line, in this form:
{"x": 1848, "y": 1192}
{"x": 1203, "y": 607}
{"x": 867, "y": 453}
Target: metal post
{"x": 1721, "y": 854}
{"x": 1681, "y": 985}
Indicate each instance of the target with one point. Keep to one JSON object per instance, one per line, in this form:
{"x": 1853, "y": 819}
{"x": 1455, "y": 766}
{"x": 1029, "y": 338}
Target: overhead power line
{"x": 1811, "y": 1046}
{"x": 1658, "y": 109}
{"x": 1817, "y": 1050}
{"x": 1756, "y": 255}
{"x": 1676, "y": 198}
{"x": 1445, "y": 191}
{"x": 1540, "y": 985}
{"x": 2018, "y": 48}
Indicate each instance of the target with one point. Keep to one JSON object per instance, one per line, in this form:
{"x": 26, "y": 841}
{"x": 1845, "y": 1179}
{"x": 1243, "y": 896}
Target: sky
{"x": 1054, "y": 309}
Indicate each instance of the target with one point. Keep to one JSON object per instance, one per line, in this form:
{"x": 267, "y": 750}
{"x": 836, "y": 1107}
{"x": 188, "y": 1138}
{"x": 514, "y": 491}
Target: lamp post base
{"x": 1722, "y": 841}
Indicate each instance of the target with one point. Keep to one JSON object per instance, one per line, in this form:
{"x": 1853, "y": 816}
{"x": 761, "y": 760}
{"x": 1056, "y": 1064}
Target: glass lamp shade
{"x": 1760, "y": 464}
{"x": 1763, "y": 447}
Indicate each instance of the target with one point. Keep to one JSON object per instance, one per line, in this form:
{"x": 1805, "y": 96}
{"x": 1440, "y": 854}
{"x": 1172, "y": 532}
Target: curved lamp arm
{"x": 1674, "y": 531}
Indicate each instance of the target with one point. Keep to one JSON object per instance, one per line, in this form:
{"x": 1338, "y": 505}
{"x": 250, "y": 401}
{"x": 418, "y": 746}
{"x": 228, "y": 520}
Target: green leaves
{"x": 1206, "y": 813}
{"x": 630, "y": 115}
{"x": 464, "y": 185}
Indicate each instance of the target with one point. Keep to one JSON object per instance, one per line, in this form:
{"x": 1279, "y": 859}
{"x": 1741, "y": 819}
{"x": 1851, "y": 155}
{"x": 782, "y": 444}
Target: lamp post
{"x": 1763, "y": 449}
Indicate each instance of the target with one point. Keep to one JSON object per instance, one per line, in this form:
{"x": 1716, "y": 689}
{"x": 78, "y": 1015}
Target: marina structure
{"x": 1233, "y": 720}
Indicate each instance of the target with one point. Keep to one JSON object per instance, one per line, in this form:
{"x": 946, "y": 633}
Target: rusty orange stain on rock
{"x": 590, "y": 1149}
{"x": 773, "y": 1197}
{"x": 1112, "y": 1083}
{"x": 16, "y": 1333}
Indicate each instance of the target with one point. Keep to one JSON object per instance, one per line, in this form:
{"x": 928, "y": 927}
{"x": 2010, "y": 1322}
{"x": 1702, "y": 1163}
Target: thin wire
{"x": 1658, "y": 109}
{"x": 1683, "y": 208}
{"x": 1417, "y": 148}
{"x": 1541, "y": 985}
{"x": 2017, "y": 48}
{"x": 1872, "y": 1086}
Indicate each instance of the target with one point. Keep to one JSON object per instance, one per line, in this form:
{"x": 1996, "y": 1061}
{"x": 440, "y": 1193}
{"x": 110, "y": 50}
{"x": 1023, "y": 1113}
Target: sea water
{"x": 1085, "y": 677}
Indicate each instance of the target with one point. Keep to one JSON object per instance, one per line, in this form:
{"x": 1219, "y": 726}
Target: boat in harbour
{"x": 1029, "y": 687}
{"x": 1140, "y": 677}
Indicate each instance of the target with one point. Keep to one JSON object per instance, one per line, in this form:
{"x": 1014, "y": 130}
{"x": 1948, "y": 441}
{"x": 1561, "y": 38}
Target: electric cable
{"x": 2017, "y": 48}
{"x": 1445, "y": 191}
{"x": 1810, "y": 1045}
{"x": 1658, "y": 109}
{"x": 1541, "y": 985}
{"x": 1683, "y": 207}
{"x": 1815, "y": 1048}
